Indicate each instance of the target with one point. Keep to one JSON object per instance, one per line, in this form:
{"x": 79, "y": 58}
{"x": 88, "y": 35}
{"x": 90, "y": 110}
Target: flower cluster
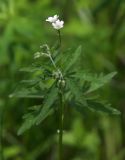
{"x": 56, "y": 23}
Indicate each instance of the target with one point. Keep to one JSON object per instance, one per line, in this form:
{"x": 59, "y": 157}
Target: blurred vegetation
{"x": 99, "y": 27}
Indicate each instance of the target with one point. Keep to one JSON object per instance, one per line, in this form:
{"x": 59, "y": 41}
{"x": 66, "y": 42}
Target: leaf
{"x": 62, "y": 58}
{"x": 100, "y": 107}
{"x": 72, "y": 58}
{"x": 30, "y": 82}
{"x": 49, "y": 100}
{"x": 39, "y": 114}
{"x": 79, "y": 108}
{"x": 29, "y": 120}
{"x": 27, "y": 93}
{"x": 31, "y": 69}
{"x": 94, "y": 106}
{"x": 76, "y": 91}
{"x": 96, "y": 81}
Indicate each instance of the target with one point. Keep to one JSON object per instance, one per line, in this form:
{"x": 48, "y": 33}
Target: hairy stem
{"x": 61, "y": 116}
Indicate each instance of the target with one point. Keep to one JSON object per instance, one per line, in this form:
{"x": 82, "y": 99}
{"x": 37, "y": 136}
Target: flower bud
{"x": 56, "y": 75}
{"x": 63, "y": 83}
{"x": 37, "y": 55}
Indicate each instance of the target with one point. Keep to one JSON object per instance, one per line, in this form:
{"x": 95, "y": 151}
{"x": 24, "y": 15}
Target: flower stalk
{"x": 59, "y": 34}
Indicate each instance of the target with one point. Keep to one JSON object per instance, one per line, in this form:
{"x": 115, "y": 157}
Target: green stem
{"x": 52, "y": 61}
{"x": 61, "y": 112}
{"x": 59, "y": 38}
{"x": 61, "y": 126}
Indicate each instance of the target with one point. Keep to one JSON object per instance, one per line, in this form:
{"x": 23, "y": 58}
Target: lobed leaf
{"x": 79, "y": 108}
{"x": 39, "y": 113}
{"x": 49, "y": 100}
{"x": 96, "y": 81}
{"x": 72, "y": 59}
{"x": 95, "y": 106}
{"x": 27, "y": 93}
{"x": 31, "y": 69}
{"x": 76, "y": 91}
{"x": 29, "y": 120}
{"x": 100, "y": 107}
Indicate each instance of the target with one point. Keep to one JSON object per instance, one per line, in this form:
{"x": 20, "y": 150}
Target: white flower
{"x": 52, "y": 19}
{"x": 58, "y": 24}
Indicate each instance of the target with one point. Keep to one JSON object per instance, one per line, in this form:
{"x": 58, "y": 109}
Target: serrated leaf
{"x": 29, "y": 121}
{"x": 49, "y": 100}
{"x": 96, "y": 81}
{"x": 100, "y": 107}
{"x": 76, "y": 91}
{"x": 79, "y": 107}
{"x": 72, "y": 59}
{"x": 30, "y": 82}
{"x": 94, "y": 106}
{"x": 39, "y": 113}
{"x": 27, "y": 93}
{"x": 62, "y": 57}
{"x": 31, "y": 69}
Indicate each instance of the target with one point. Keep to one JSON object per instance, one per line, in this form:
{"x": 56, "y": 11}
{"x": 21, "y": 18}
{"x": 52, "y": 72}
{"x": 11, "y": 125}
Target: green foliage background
{"x": 99, "y": 27}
